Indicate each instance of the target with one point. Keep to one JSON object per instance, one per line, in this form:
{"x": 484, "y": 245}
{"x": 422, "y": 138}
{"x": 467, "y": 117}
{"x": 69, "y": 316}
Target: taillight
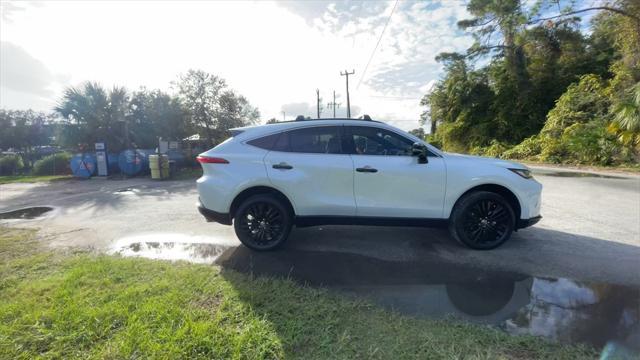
{"x": 211, "y": 160}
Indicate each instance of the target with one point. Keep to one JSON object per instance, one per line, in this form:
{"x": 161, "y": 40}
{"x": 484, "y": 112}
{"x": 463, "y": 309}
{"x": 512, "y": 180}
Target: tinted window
{"x": 265, "y": 142}
{"x": 315, "y": 140}
{"x": 375, "y": 141}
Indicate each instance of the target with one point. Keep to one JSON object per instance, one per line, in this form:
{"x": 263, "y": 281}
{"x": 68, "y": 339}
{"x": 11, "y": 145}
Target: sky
{"x": 275, "y": 53}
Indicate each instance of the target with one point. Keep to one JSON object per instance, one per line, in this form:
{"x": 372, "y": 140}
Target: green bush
{"x": 10, "y": 164}
{"x": 529, "y": 149}
{"x": 496, "y": 149}
{"x": 55, "y": 164}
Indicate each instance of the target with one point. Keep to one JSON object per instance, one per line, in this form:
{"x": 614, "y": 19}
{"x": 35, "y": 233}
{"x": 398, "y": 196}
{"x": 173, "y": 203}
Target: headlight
{"x": 523, "y": 172}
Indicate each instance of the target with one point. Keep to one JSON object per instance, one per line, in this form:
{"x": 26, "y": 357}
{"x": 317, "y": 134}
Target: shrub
{"x": 55, "y": 164}
{"x": 10, "y": 164}
{"x": 496, "y": 149}
{"x": 529, "y": 148}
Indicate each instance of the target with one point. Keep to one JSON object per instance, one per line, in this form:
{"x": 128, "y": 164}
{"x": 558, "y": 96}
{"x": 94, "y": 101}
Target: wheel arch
{"x": 258, "y": 190}
{"x": 501, "y": 190}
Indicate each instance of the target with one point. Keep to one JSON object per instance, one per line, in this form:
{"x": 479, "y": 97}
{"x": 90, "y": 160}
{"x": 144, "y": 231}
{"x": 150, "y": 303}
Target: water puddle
{"x": 196, "y": 249}
{"x": 572, "y": 174}
{"x": 126, "y": 191}
{"x": 26, "y": 213}
{"x": 563, "y": 310}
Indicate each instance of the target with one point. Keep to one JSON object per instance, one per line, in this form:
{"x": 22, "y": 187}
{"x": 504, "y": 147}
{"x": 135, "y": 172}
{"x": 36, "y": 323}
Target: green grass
{"x": 55, "y": 305}
{"x": 32, "y": 178}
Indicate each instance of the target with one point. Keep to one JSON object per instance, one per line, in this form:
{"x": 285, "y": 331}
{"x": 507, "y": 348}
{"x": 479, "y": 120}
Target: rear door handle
{"x": 367, "y": 169}
{"x": 282, "y": 166}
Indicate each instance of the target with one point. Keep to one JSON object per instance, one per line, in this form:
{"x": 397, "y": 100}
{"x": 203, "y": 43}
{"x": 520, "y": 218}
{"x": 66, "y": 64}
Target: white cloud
{"x": 273, "y": 53}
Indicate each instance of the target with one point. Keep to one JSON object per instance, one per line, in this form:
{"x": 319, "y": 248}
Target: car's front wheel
{"x": 262, "y": 222}
{"x": 482, "y": 220}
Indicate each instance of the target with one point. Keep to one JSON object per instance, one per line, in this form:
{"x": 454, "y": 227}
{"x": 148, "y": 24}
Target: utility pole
{"x": 284, "y": 116}
{"x": 318, "y": 102}
{"x": 346, "y": 73}
{"x": 334, "y": 104}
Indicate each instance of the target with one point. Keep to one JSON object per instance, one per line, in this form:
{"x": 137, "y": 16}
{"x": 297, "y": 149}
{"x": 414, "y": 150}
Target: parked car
{"x": 266, "y": 179}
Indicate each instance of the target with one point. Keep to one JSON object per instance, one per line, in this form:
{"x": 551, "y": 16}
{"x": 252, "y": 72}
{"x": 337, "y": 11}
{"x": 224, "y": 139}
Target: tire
{"x": 482, "y": 220}
{"x": 262, "y": 222}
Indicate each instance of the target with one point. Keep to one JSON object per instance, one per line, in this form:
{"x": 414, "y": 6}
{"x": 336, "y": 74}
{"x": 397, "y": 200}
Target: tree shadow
{"x": 90, "y": 195}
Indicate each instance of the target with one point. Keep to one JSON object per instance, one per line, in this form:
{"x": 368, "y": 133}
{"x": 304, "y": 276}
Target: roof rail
{"x": 363, "y": 117}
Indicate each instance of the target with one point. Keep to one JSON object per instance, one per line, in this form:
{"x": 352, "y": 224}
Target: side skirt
{"x": 305, "y": 221}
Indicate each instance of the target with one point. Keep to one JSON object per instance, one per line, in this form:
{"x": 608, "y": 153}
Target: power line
{"x": 378, "y": 43}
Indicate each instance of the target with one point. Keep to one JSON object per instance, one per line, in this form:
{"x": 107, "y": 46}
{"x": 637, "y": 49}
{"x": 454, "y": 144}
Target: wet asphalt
{"x": 574, "y": 277}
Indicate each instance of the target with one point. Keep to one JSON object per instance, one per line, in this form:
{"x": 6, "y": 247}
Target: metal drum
{"x": 133, "y": 162}
{"x": 83, "y": 165}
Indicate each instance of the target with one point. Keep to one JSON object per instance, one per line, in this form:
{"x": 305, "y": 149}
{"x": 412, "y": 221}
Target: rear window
{"x": 265, "y": 142}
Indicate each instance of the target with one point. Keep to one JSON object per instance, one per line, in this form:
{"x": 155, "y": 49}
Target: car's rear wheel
{"x": 482, "y": 220}
{"x": 262, "y": 222}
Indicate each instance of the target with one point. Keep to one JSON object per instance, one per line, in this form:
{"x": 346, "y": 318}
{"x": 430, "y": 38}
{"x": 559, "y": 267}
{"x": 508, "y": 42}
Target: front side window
{"x": 314, "y": 140}
{"x": 375, "y": 141}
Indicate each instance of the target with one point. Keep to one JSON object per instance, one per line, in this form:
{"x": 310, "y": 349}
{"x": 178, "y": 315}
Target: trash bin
{"x": 159, "y": 165}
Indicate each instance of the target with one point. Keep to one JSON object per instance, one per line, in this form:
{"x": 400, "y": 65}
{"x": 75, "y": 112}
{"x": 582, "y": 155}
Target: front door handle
{"x": 282, "y": 166}
{"x": 367, "y": 169}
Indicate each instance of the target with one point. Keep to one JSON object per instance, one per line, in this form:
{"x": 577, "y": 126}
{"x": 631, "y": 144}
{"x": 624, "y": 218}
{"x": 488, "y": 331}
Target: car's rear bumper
{"x": 210, "y": 215}
{"x": 523, "y": 223}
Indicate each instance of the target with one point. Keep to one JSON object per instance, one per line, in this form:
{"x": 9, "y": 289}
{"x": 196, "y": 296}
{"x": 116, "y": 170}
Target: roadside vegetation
{"x": 81, "y": 305}
{"x": 32, "y": 178}
{"x": 551, "y": 91}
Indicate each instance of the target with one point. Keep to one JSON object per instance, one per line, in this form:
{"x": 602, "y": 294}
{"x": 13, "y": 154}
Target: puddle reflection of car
{"x": 266, "y": 179}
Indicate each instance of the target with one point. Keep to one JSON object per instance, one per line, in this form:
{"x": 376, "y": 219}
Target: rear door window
{"x": 311, "y": 140}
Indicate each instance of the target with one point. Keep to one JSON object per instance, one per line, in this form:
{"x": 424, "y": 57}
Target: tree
{"x": 419, "y": 132}
{"x": 272, "y": 121}
{"x": 23, "y": 130}
{"x": 153, "y": 114}
{"x": 92, "y": 115}
{"x": 211, "y": 105}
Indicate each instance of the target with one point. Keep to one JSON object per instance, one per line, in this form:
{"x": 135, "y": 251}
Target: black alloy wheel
{"x": 482, "y": 220}
{"x": 262, "y": 222}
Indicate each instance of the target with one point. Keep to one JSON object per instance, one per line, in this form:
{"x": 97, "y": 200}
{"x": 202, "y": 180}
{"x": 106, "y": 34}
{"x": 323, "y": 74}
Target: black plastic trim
{"x": 523, "y": 223}
{"x": 210, "y": 215}
{"x": 304, "y": 221}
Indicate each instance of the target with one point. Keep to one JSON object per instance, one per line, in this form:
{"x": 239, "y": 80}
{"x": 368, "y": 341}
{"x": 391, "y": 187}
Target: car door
{"x": 388, "y": 180}
{"x": 309, "y": 165}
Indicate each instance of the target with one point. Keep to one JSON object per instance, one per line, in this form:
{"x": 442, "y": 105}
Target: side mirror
{"x": 420, "y": 150}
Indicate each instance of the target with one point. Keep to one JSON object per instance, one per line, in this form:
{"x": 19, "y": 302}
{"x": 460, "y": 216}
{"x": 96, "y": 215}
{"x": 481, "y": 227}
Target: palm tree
{"x": 626, "y": 120}
{"x": 93, "y": 114}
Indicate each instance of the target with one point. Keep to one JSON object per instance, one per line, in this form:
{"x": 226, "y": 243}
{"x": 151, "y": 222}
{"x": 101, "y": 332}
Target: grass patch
{"x": 32, "y": 178}
{"x": 87, "y": 306}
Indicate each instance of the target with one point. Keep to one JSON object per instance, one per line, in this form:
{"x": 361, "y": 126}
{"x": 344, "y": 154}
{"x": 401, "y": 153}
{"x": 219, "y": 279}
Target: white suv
{"x": 265, "y": 179}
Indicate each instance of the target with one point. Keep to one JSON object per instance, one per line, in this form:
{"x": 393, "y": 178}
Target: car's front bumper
{"x": 523, "y": 223}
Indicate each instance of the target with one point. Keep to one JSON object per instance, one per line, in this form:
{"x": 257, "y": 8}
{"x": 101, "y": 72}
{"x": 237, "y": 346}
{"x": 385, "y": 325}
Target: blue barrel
{"x": 133, "y": 162}
{"x": 112, "y": 163}
{"x": 83, "y": 165}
